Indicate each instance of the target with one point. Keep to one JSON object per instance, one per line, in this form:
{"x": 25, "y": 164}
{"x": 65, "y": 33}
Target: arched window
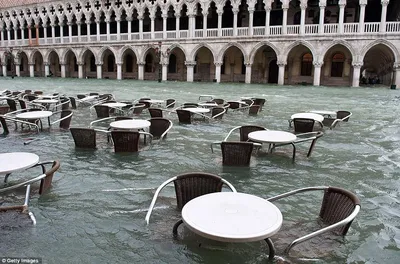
{"x": 337, "y": 65}
{"x": 172, "y": 64}
{"x": 75, "y": 65}
{"x": 149, "y": 63}
{"x": 92, "y": 63}
{"x": 110, "y": 63}
{"x": 21, "y": 66}
{"x": 306, "y": 64}
{"x": 129, "y": 63}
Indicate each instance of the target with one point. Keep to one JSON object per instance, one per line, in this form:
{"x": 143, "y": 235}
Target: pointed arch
{"x": 344, "y": 43}
{"x": 32, "y": 55}
{"x": 82, "y": 53}
{"x": 100, "y": 54}
{"x": 120, "y": 55}
{"x": 192, "y": 55}
{"x": 384, "y": 42}
{"x": 260, "y": 45}
{"x": 220, "y": 55}
{"x": 297, "y": 43}
{"x": 47, "y": 54}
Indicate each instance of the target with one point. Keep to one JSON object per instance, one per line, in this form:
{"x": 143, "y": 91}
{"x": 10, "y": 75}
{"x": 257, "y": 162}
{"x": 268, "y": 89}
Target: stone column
{"x": 235, "y": 11}
{"x": 88, "y": 31}
{"x": 15, "y": 34}
{"x": 18, "y": 70}
{"x": 281, "y": 74}
{"x": 4, "y": 66}
{"x": 141, "y": 70}
{"x": 164, "y": 71}
{"x": 32, "y": 70}
{"x": 70, "y": 31}
{"x": 267, "y": 19}
{"x": 118, "y": 29}
{"x": 119, "y": 71}
{"x": 205, "y": 14}
{"x": 9, "y": 35}
{"x": 140, "y": 17}
{"x": 303, "y": 7}
{"x": 46, "y": 69}
{"x": 37, "y": 33}
{"x": 98, "y": 30}
{"x": 322, "y": 5}
{"x": 177, "y": 25}
{"x": 152, "y": 25}
{"x": 80, "y": 70}
{"x": 44, "y": 33}
{"x": 129, "y": 20}
{"x": 251, "y": 14}
{"x": 396, "y": 68}
{"x": 317, "y": 73}
{"x": 29, "y": 35}
{"x": 218, "y": 71}
{"x": 79, "y": 25}
{"x": 99, "y": 70}
{"x": 248, "y": 73}
{"x": 62, "y": 70}
{"x": 108, "y": 29}
{"x": 285, "y": 7}
{"x": 382, "y": 27}
{"x": 2, "y": 36}
{"x": 363, "y": 4}
{"x": 356, "y": 73}
{"x": 220, "y": 23}
{"x": 190, "y": 70}
{"x": 164, "y": 25}
{"x": 61, "y": 32}
{"x": 53, "y": 32}
{"x": 190, "y": 26}
{"x": 341, "y": 16}
{"x": 22, "y": 33}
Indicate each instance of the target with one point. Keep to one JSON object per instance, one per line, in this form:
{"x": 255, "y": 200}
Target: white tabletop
{"x": 197, "y": 110}
{"x": 34, "y": 115}
{"x": 232, "y": 217}
{"x": 15, "y": 161}
{"x": 324, "y": 112}
{"x": 272, "y": 136}
{"x": 130, "y": 124}
{"x": 89, "y": 98}
{"x": 46, "y": 101}
{"x": 208, "y": 104}
{"x": 115, "y": 105}
{"x": 154, "y": 101}
{"x": 316, "y": 117}
{"x": 49, "y": 96}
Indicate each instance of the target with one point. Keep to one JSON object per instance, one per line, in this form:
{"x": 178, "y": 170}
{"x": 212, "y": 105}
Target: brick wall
{"x": 10, "y": 3}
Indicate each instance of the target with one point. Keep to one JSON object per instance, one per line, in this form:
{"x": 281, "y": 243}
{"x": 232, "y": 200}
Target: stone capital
{"x": 190, "y": 63}
{"x": 141, "y": 63}
{"x": 322, "y": 3}
{"x": 342, "y": 3}
{"x": 99, "y": 63}
{"x": 396, "y": 66}
{"x": 218, "y": 63}
{"x": 357, "y": 64}
{"x": 281, "y": 63}
{"x": 303, "y": 6}
{"x": 318, "y": 64}
{"x": 385, "y": 2}
{"x": 363, "y": 2}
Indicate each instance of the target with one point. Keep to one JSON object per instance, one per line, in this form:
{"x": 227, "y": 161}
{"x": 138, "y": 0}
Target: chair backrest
{"x": 191, "y": 185}
{"x": 245, "y": 130}
{"x": 190, "y": 105}
{"x": 45, "y": 183}
{"x": 248, "y": 101}
{"x": 84, "y": 137}
{"x": 218, "y": 101}
{"x": 259, "y": 101}
{"x": 155, "y": 112}
{"x": 303, "y": 125}
{"x": 102, "y": 111}
{"x": 216, "y": 112}
{"x": 344, "y": 115}
{"x": 170, "y": 103}
{"x": 158, "y": 126}
{"x": 4, "y": 126}
{"x": 234, "y": 105}
{"x": 12, "y": 104}
{"x": 4, "y": 109}
{"x": 119, "y": 118}
{"x": 254, "y": 109}
{"x": 80, "y": 96}
{"x": 73, "y": 102}
{"x": 22, "y": 104}
{"x": 91, "y": 94}
{"x": 31, "y": 97}
{"x": 184, "y": 116}
{"x": 38, "y": 92}
{"x": 139, "y": 108}
{"x": 64, "y": 103}
{"x": 236, "y": 153}
{"x": 125, "y": 141}
{"x": 67, "y": 121}
{"x": 146, "y": 104}
{"x": 338, "y": 204}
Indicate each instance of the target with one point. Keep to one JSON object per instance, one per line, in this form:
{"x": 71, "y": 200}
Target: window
{"x": 129, "y": 64}
{"x": 306, "y": 64}
{"x": 75, "y": 65}
{"x": 110, "y": 63}
{"x": 92, "y": 64}
{"x": 172, "y": 64}
{"x": 337, "y": 65}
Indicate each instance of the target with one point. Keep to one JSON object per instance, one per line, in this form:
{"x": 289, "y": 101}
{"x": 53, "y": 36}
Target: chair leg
{"x": 6, "y": 177}
{"x": 271, "y": 248}
{"x": 294, "y": 152}
{"x": 175, "y": 228}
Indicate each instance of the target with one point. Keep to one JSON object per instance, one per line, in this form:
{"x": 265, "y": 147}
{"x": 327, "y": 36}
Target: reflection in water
{"x": 95, "y": 211}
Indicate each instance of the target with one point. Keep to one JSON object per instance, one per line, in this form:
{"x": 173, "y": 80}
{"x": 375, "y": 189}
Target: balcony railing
{"x": 272, "y": 31}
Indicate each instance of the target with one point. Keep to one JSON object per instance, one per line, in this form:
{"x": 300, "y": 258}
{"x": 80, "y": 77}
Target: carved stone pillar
{"x": 317, "y": 73}
{"x": 363, "y": 4}
{"x": 46, "y": 69}
{"x": 141, "y": 70}
{"x": 190, "y": 70}
{"x": 119, "y": 71}
{"x": 218, "y": 71}
{"x": 80, "y": 70}
{"x": 382, "y": 27}
{"x": 303, "y": 7}
{"x": 62, "y": 70}
{"x": 281, "y": 74}
{"x": 99, "y": 70}
{"x": 248, "y": 73}
{"x": 32, "y": 70}
{"x": 164, "y": 71}
{"x": 356, "y": 73}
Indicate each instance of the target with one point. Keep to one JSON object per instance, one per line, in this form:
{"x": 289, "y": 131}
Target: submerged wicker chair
{"x": 102, "y": 111}
{"x": 184, "y": 116}
{"x": 84, "y": 137}
{"x": 217, "y": 112}
{"x": 244, "y": 131}
{"x": 343, "y": 115}
{"x": 159, "y": 127}
{"x": 338, "y": 209}
{"x": 170, "y": 103}
{"x": 155, "y": 112}
{"x": 189, "y": 186}
{"x": 127, "y": 141}
{"x": 235, "y": 153}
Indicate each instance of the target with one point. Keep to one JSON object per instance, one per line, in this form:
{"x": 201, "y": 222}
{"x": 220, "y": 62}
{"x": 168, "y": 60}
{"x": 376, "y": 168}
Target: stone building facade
{"x": 319, "y": 42}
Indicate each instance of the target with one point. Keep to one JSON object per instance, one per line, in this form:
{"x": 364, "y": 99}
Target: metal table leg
{"x": 271, "y": 248}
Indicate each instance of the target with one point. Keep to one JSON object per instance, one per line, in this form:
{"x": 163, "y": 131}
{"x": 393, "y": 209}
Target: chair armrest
{"x": 230, "y": 132}
{"x": 100, "y": 120}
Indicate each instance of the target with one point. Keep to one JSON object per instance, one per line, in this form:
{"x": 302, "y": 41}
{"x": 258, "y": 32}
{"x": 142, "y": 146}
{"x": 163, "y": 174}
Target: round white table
{"x": 34, "y": 115}
{"x": 154, "y": 101}
{"x": 15, "y": 161}
{"x": 208, "y": 104}
{"x": 89, "y": 98}
{"x": 197, "y": 110}
{"x": 115, "y": 105}
{"x": 232, "y": 217}
{"x": 133, "y": 124}
{"x": 324, "y": 112}
{"x": 49, "y": 96}
{"x": 316, "y": 117}
{"x": 273, "y": 137}
{"x": 46, "y": 101}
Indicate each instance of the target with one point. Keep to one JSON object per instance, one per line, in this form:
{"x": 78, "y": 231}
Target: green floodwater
{"x": 94, "y": 212}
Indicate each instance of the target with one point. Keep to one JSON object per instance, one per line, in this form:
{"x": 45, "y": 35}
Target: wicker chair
{"x": 65, "y": 119}
{"x": 218, "y": 101}
{"x": 343, "y": 115}
{"x": 170, "y": 103}
{"x": 244, "y": 131}
{"x": 12, "y": 104}
{"x": 217, "y": 112}
{"x": 235, "y": 153}
{"x": 184, "y": 116}
{"x": 338, "y": 209}
{"x": 259, "y": 101}
{"x": 155, "y": 112}
{"x": 73, "y": 102}
{"x": 189, "y": 186}
{"x": 84, "y": 137}
{"x": 127, "y": 141}
{"x": 102, "y": 111}
{"x": 138, "y": 108}
{"x": 4, "y": 109}
{"x": 45, "y": 183}
{"x": 189, "y": 105}
{"x": 159, "y": 127}
{"x": 4, "y": 126}
{"x": 303, "y": 125}
{"x": 254, "y": 109}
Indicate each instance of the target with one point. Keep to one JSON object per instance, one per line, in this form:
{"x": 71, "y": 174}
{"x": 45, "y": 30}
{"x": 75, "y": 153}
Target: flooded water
{"x": 95, "y": 210}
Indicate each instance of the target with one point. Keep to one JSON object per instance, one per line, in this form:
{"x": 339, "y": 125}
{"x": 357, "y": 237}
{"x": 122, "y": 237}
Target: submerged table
{"x": 273, "y": 137}
{"x": 134, "y": 124}
{"x": 15, "y": 161}
{"x": 233, "y": 217}
{"x": 197, "y": 110}
{"x": 326, "y": 113}
{"x": 33, "y": 115}
{"x": 316, "y": 117}
{"x": 115, "y": 105}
